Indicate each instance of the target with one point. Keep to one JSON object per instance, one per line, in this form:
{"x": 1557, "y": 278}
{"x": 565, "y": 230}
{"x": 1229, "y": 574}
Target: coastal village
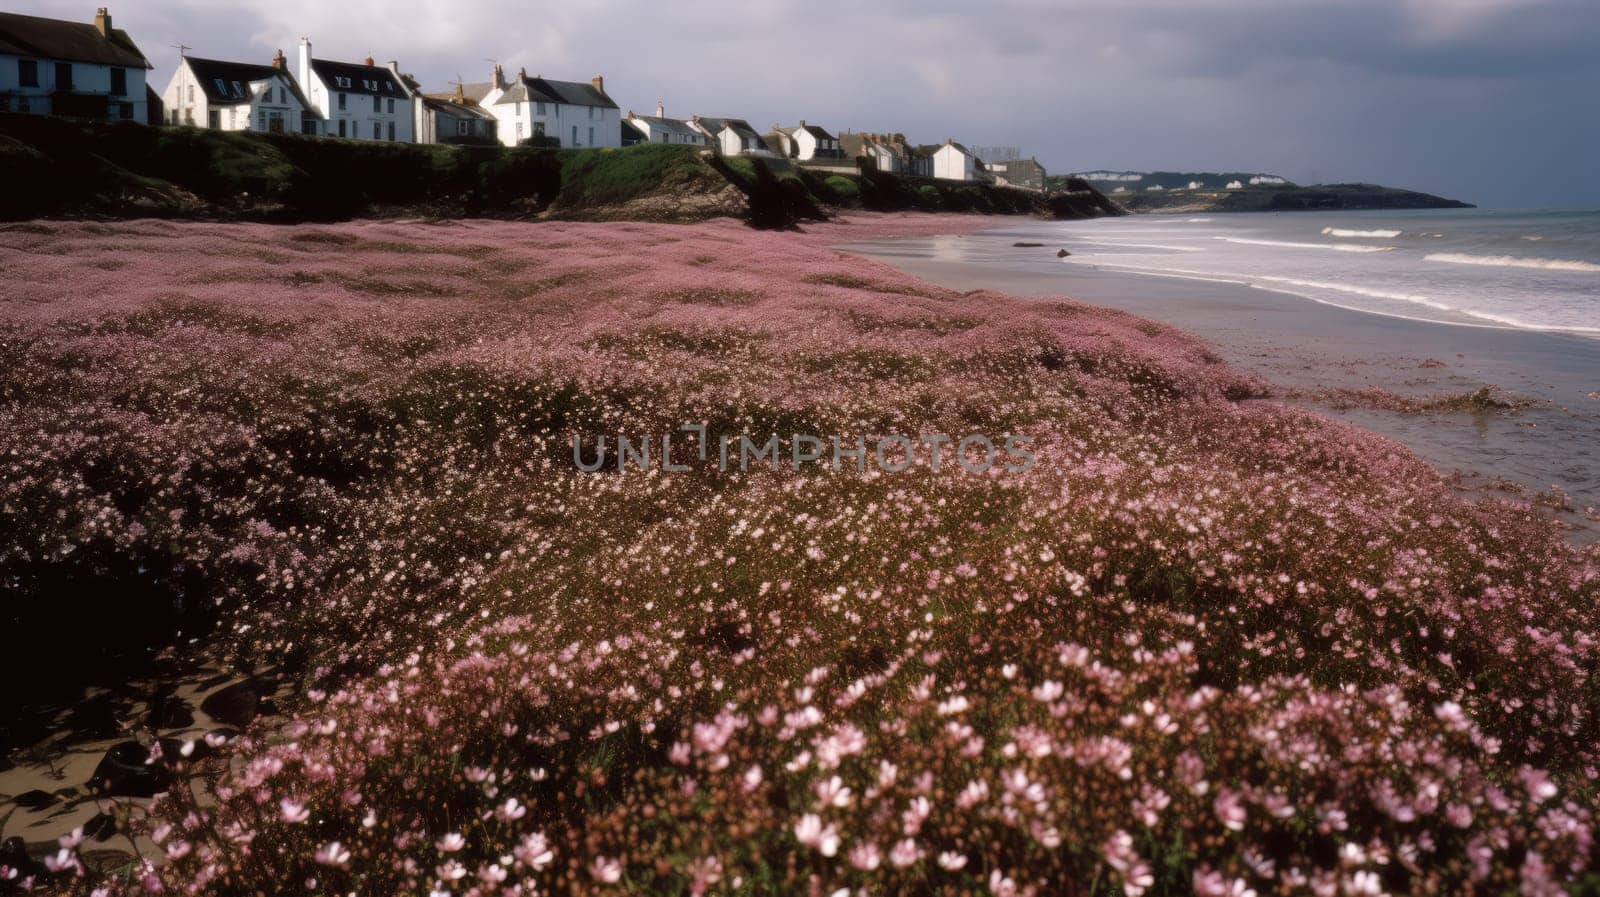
{"x": 95, "y": 70}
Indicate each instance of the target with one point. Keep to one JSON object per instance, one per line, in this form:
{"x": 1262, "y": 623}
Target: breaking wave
{"x": 1341, "y": 232}
{"x": 1337, "y": 247}
{"x": 1513, "y": 261}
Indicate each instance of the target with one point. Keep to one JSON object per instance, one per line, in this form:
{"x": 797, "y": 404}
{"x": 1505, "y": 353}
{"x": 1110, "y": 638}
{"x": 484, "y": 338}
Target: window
{"x": 341, "y": 127}
{"x": 341, "y": 102}
{"x": 63, "y": 76}
{"x": 28, "y": 72}
{"x": 391, "y": 132}
{"x": 119, "y": 82}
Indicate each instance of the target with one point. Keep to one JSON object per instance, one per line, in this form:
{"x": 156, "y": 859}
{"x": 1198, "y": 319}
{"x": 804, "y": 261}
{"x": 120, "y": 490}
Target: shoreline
{"x": 1350, "y": 364}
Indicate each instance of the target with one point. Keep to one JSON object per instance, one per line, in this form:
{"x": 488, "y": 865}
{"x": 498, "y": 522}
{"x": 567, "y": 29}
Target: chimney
{"x": 499, "y": 79}
{"x": 661, "y": 109}
{"x": 599, "y": 83}
{"x": 370, "y": 62}
{"x": 279, "y": 62}
{"x": 102, "y": 22}
{"x": 303, "y": 71}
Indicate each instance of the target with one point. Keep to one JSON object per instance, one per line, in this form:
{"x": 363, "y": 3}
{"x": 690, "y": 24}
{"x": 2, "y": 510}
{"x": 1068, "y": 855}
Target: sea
{"x": 1528, "y": 270}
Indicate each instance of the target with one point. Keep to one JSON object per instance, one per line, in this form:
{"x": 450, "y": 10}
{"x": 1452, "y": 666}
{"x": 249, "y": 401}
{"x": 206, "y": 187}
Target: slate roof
{"x": 372, "y": 80}
{"x": 207, "y": 71}
{"x": 815, "y": 131}
{"x": 547, "y": 90}
{"x": 447, "y": 102}
{"x": 35, "y": 36}
{"x": 740, "y": 126}
{"x": 667, "y": 125}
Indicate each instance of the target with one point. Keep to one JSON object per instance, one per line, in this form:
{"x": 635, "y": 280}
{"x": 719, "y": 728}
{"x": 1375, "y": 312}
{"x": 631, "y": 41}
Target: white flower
{"x": 332, "y": 854}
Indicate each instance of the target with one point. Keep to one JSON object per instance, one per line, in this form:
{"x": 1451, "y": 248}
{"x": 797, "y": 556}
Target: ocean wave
{"x": 1412, "y": 298}
{"x": 1513, "y": 261}
{"x": 1341, "y": 232}
{"x": 1120, "y": 245}
{"x": 1337, "y": 247}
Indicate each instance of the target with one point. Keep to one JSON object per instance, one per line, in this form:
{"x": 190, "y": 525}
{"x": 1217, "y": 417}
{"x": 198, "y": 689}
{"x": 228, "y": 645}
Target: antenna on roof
{"x": 183, "y": 49}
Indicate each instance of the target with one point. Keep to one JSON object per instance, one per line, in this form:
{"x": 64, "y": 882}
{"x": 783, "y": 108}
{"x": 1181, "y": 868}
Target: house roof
{"x": 547, "y": 90}
{"x": 36, "y": 36}
{"x": 208, "y": 71}
{"x": 667, "y": 125}
{"x": 813, "y": 130}
{"x": 374, "y": 80}
{"x": 716, "y": 125}
{"x": 448, "y": 103}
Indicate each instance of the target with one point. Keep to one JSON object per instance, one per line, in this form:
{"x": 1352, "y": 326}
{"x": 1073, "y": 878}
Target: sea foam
{"x": 1341, "y": 232}
{"x": 1513, "y": 261}
{"x": 1337, "y": 247}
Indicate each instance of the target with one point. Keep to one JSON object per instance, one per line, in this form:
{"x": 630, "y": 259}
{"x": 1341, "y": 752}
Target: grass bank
{"x": 125, "y": 170}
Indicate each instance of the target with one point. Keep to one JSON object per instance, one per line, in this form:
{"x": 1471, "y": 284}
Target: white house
{"x": 361, "y": 101}
{"x": 954, "y": 162}
{"x": 238, "y": 96}
{"x": 574, "y": 113}
{"x": 731, "y": 136}
{"x": 660, "y": 129}
{"x": 77, "y": 69}
{"x": 805, "y": 143}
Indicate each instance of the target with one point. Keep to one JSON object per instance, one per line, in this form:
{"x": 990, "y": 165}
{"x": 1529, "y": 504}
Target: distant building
{"x": 577, "y": 114}
{"x": 360, "y": 101}
{"x": 659, "y": 128}
{"x": 954, "y": 162}
{"x": 804, "y": 143}
{"x": 887, "y": 152}
{"x": 1025, "y": 173}
{"x": 74, "y": 69}
{"x": 453, "y": 118}
{"x": 731, "y": 136}
{"x": 238, "y": 96}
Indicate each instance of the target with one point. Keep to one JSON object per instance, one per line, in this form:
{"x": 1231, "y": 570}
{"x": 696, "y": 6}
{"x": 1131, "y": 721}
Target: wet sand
{"x": 1548, "y": 452}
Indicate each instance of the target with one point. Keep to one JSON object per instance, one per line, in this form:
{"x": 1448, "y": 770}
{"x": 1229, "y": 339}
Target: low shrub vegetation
{"x": 1199, "y": 646}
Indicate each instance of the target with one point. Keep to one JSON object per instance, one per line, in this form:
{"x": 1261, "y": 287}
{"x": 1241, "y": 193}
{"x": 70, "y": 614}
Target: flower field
{"x": 1206, "y": 644}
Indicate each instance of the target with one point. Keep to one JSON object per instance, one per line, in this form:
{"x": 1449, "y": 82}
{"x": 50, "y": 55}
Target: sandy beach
{"x": 1332, "y": 359}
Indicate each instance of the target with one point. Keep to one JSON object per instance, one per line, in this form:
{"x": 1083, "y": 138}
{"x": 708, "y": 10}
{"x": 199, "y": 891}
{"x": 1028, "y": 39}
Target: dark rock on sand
{"x": 235, "y": 705}
{"x": 123, "y": 772}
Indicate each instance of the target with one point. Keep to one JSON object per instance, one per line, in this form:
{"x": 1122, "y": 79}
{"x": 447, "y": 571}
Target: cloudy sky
{"x": 1492, "y": 101}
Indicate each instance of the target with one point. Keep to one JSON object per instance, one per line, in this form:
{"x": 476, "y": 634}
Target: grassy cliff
{"x": 125, "y": 170}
